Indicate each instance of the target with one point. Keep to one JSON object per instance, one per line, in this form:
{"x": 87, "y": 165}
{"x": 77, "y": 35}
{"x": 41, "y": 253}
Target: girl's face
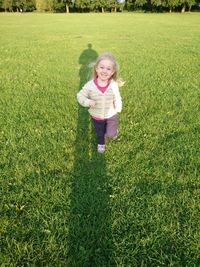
{"x": 104, "y": 70}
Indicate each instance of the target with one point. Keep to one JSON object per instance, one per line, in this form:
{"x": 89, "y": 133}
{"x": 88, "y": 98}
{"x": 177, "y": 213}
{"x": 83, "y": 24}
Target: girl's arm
{"x": 117, "y": 98}
{"x": 83, "y": 97}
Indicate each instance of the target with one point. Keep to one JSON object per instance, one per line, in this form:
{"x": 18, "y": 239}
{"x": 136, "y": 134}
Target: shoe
{"x": 101, "y": 148}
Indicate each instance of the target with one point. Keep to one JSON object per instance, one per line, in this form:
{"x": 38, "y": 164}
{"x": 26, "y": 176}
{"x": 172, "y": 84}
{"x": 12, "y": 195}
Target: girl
{"x": 101, "y": 95}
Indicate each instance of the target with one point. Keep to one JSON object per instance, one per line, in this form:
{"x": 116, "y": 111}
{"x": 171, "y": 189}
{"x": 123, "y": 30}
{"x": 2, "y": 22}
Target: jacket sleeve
{"x": 83, "y": 96}
{"x": 117, "y": 98}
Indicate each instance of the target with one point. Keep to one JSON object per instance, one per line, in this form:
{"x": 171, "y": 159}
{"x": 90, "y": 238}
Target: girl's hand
{"x": 92, "y": 103}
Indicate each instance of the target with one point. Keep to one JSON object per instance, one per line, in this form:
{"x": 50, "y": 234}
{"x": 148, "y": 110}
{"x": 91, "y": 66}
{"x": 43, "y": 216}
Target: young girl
{"x": 101, "y": 95}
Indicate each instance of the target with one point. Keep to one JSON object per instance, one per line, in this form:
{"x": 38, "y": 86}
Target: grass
{"x": 62, "y": 204}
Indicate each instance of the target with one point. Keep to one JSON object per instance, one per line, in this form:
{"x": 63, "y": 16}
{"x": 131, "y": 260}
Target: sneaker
{"x": 101, "y": 148}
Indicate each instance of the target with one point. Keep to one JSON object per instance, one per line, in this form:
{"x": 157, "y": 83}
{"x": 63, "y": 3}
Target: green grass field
{"x": 61, "y": 203}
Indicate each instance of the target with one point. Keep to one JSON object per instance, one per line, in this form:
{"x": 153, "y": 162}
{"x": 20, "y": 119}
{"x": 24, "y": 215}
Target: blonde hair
{"x": 109, "y": 56}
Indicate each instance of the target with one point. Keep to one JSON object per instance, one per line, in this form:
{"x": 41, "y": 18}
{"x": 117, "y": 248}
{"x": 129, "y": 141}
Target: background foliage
{"x": 98, "y": 5}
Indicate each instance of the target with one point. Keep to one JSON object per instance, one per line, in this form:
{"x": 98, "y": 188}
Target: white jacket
{"x": 107, "y": 103}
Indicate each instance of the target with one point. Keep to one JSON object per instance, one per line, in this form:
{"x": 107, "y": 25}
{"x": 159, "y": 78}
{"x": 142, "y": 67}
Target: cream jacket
{"x": 107, "y": 103}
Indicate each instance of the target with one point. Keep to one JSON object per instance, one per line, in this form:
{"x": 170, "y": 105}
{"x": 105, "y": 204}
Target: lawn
{"x": 61, "y": 203}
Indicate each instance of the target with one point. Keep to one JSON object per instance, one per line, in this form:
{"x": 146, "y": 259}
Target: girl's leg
{"x": 100, "y": 128}
{"x": 111, "y": 127}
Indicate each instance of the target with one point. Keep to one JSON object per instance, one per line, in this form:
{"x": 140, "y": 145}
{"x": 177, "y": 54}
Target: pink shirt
{"x": 102, "y": 89}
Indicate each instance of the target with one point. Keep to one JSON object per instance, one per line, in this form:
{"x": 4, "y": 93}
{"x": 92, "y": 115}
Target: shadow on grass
{"x": 90, "y": 241}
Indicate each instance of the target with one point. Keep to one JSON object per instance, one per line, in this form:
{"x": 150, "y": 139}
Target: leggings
{"x": 105, "y": 128}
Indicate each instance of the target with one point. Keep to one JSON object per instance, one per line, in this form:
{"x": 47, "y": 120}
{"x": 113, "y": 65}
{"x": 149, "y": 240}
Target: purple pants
{"x": 105, "y": 128}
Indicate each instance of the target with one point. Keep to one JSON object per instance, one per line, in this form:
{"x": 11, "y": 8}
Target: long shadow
{"x": 90, "y": 239}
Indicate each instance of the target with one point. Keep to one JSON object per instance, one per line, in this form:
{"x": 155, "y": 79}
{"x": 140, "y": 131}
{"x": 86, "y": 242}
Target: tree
{"x": 8, "y": 5}
{"x": 41, "y": 5}
{"x": 190, "y": 3}
{"x": 1, "y": 3}
{"x": 182, "y": 4}
{"x": 83, "y": 5}
{"x": 171, "y": 4}
{"x": 68, "y": 4}
{"x": 140, "y": 3}
{"x": 114, "y": 5}
{"x": 104, "y": 5}
{"x": 132, "y": 4}
{"x": 121, "y": 4}
{"x": 26, "y": 5}
{"x": 186, "y": 3}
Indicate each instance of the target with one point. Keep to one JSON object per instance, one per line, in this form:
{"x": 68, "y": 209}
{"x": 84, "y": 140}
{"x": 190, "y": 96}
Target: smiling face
{"x": 104, "y": 70}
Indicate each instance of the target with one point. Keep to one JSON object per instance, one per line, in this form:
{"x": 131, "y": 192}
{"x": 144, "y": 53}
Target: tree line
{"x": 98, "y": 5}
